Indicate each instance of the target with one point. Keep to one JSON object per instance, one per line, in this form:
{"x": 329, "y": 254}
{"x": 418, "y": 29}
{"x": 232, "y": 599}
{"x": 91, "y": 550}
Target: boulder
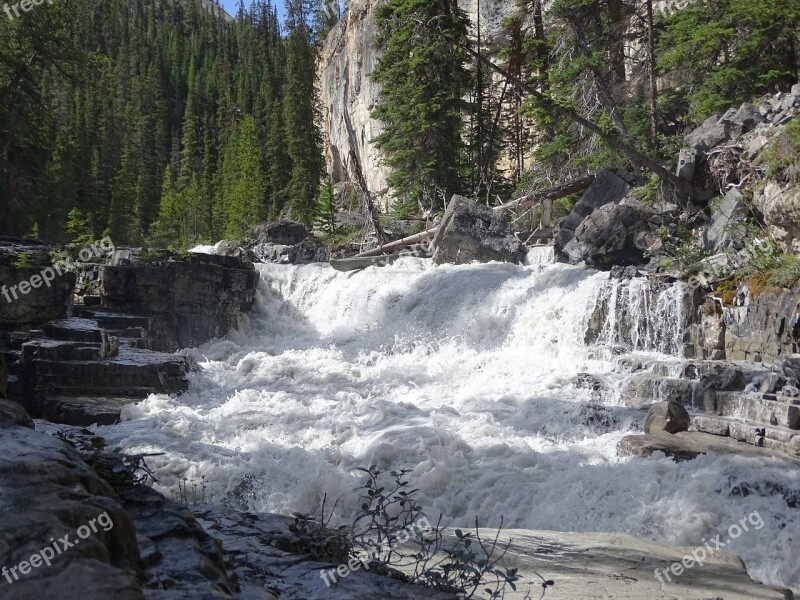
{"x": 720, "y": 234}
{"x": 669, "y": 416}
{"x": 607, "y": 188}
{"x": 710, "y": 134}
{"x": 472, "y": 232}
{"x": 284, "y": 233}
{"x": 644, "y": 388}
{"x": 614, "y": 234}
{"x": 284, "y": 242}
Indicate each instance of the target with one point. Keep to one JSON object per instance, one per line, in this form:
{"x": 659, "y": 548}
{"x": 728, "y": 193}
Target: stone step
{"x": 74, "y": 329}
{"x": 112, "y": 320}
{"x": 82, "y": 410}
{"x": 758, "y": 434}
{"x": 133, "y": 372}
{"x": 772, "y": 409}
{"x": 58, "y": 350}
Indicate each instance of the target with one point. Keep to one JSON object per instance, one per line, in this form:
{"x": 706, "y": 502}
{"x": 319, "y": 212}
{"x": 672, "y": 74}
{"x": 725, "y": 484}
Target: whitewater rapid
{"x": 466, "y": 376}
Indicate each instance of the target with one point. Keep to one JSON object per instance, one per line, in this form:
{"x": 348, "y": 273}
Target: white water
{"x": 463, "y": 375}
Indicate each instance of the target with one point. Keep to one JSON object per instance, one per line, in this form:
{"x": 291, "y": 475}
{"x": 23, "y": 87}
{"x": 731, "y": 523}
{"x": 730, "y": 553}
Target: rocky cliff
{"x": 348, "y": 93}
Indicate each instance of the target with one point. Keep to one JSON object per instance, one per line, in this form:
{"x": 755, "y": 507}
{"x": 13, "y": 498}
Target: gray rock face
{"x": 720, "y": 234}
{"x": 613, "y": 235}
{"x": 472, "y": 232}
{"x": 780, "y": 204}
{"x": 196, "y": 298}
{"x": 670, "y": 417}
{"x": 3, "y": 378}
{"x": 607, "y": 188}
{"x": 26, "y": 296}
{"x": 763, "y": 327}
{"x": 790, "y": 368}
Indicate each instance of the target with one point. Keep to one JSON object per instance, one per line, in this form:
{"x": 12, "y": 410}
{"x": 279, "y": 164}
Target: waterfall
{"x": 468, "y": 376}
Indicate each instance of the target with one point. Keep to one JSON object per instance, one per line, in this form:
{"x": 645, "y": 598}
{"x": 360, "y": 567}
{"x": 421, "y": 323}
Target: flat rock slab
{"x": 613, "y": 565}
{"x": 84, "y": 410}
{"x": 687, "y": 445}
{"x": 582, "y": 566}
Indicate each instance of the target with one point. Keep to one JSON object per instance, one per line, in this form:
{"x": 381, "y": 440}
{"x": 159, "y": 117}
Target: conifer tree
{"x": 422, "y": 70}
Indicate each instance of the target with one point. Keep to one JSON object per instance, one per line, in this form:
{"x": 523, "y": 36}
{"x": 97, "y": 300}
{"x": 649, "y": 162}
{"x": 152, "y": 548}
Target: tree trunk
{"x": 616, "y": 42}
{"x": 651, "y": 59}
{"x": 635, "y": 155}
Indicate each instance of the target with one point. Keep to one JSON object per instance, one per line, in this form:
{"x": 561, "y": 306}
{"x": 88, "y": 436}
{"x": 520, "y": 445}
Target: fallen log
{"x": 553, "y": 193}
{"x": 392, "y": 246}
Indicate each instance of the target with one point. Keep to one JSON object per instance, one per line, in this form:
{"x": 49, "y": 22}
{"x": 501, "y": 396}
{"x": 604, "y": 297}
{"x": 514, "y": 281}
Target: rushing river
{"x": 466, "y": 376}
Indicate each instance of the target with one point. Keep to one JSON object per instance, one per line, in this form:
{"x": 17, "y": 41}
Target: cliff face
{"x": 349, "y": 94}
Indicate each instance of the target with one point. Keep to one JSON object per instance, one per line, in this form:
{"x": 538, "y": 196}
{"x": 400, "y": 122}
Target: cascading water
{"x": 466, "y": 376}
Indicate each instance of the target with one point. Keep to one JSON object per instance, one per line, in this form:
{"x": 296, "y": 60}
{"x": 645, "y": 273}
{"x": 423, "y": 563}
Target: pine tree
{"x": 422, "y": 70}
{"x": 301, "y": 113}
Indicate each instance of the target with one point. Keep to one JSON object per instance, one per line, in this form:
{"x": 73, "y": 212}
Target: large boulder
{"x": 615, "y": 234}
{"x": 732, "y": 212}
{"x": 473, "y": 232}
{"x": 669, "y": 416}
{"x": 284, "y": 242}
{"x": 606, "y": 189}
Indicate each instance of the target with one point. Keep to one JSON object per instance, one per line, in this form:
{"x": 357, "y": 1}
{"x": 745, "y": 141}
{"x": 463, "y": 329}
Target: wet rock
{"x": 670, "y": 417}
{"x": 794, "y": 446}
{"x": 645, "y": 388}
{"x": 49, "y": 492}
{"x": 472, "y": 232}
{"x": 607, "y": 188}
{"x": 12, "y": 412}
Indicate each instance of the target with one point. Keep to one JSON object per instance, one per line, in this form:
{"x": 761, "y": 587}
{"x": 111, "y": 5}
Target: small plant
{"x": 388, "y": 534}
{"x": 23, "y": 260}
{"x": 316, "y": 538}
{"x": 34, "y": 232}
{"x": 121, "y": 470}
{"x": 77, "y": 228}
{"x": 182, "y": 495}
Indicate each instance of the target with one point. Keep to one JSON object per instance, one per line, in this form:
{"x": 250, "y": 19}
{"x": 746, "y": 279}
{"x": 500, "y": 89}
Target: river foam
{"x": 464, "y": 375}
